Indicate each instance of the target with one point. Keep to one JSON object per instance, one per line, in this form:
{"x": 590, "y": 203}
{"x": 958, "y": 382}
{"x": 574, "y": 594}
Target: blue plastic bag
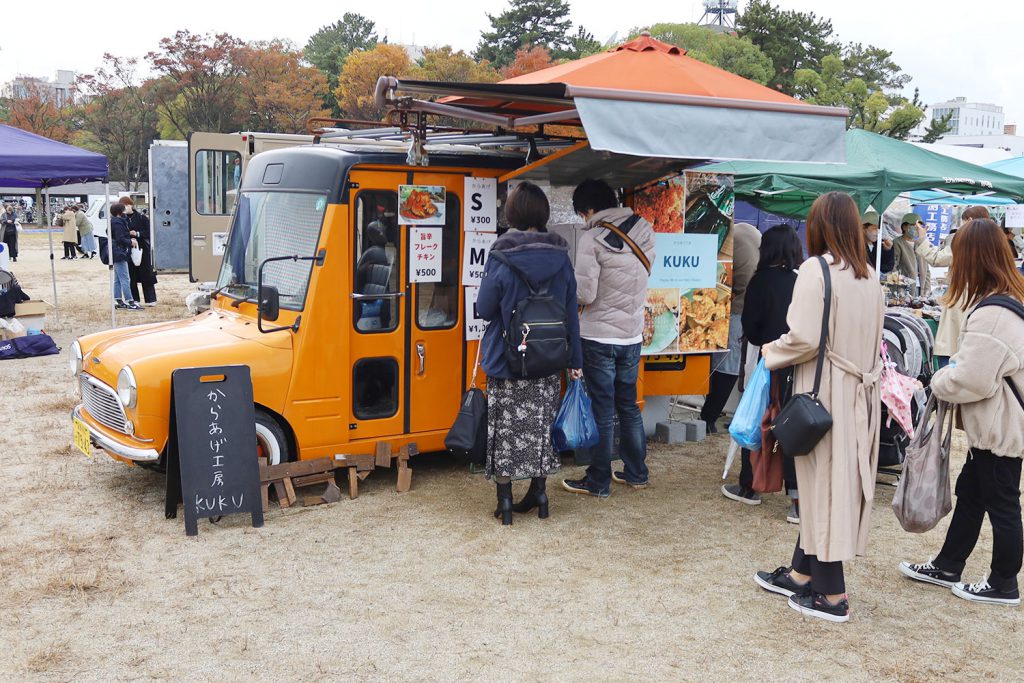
{"x": 746, "y": 423}
{"x": 575, "y": 426}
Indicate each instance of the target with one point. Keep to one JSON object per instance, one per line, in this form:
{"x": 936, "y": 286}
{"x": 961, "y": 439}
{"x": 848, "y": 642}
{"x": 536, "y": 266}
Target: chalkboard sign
{"x": 212, "y": 467}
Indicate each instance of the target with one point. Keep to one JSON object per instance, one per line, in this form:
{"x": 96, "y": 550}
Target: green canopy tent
{"x": 877, "y": 170}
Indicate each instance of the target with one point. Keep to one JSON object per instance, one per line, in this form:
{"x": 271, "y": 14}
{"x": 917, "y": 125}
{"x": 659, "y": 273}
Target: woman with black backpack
{"x": 985, "y": 379}
{"x": 528, "y": 271}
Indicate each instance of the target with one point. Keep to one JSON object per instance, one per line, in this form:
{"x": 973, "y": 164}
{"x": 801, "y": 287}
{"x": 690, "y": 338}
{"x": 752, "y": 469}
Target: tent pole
{"x": 49, "y": 235}
{"x": 110, "y": 248}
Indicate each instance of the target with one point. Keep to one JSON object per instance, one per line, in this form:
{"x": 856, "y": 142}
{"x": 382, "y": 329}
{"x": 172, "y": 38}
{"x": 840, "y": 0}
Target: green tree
{"x": 874, "y": 66}
{"x": 937, "y": 128}
{"x": 582, "y": 44}
{"x": 5, "y": 108}
{"x": 329, "y": 47}
{"x": 446, "y": 65}
{"x": 526, "y": 23}
{"x": 792, "y": 40}
{"x": 728, "y": 52}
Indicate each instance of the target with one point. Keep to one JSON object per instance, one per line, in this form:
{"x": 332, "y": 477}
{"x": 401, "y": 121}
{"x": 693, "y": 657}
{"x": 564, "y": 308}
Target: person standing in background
{"x": 870, "y": 224}
{"x": 142, "y": 274}
{"x": 70, "y": 238}
{"x": 947, "y": 337}
{"x": 9, "y": 231}
{"x": 121, "y": 247}
{"x": 746, "y": 243}
{"x": 84, "y": 226}
{"x": 909, "y": 263}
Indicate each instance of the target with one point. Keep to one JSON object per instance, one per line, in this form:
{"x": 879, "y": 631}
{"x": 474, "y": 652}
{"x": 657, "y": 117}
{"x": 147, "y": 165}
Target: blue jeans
{"x": 122, "y": 282}
{"x": 611, "y": 373}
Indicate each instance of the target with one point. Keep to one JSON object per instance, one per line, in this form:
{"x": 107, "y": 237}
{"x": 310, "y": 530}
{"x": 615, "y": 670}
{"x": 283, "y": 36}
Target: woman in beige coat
{"x": 986, "y": 380}
{"x": 948, "y": 335}
{"x": 837, "y": 479}
{"x": 70, "y": 237}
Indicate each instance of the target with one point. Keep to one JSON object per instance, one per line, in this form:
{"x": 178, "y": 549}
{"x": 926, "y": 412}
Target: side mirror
{"x": 270, "y": 303}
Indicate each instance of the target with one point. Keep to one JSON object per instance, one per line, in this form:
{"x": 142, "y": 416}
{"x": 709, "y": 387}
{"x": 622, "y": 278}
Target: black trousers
{"x": 988, "y": 483}
{"x": 747, "y": 471}
{"x": 827, "y": 578}
{"x": 718, "y": 395}
{"x": 11, "y": 240}
{"x": 69, "y": 250}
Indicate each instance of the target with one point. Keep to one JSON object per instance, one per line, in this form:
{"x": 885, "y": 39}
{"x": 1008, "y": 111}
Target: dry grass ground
{"x": 647, "y": 585}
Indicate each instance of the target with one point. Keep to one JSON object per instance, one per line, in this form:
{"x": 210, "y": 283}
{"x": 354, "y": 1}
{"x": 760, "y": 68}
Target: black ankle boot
{"x": 536, "y": 497}
{"x": 504, "y": 509}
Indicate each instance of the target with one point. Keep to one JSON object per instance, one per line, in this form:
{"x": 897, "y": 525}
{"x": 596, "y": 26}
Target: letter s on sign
{"x": 475, "y": 199}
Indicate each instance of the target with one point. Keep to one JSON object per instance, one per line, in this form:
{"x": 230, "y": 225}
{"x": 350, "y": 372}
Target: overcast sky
{"x": 950, "y": 47}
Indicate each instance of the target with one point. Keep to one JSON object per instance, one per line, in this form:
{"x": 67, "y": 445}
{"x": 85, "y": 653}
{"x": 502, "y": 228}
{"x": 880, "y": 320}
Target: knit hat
{"x": 911, "y": 218}
{"x": 869, "y": 218}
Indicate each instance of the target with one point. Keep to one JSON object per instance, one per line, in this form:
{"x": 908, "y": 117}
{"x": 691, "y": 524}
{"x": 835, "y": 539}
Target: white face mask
{"x": 872, "y": 236}
{"x": 128, "y": 209}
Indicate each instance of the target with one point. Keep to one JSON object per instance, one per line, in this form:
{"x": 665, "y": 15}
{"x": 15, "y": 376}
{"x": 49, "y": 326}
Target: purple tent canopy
{"x": 30, "y": 160}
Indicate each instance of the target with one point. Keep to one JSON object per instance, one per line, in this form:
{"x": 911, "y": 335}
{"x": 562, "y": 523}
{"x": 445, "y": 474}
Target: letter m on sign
{"x": 477, "y": 257}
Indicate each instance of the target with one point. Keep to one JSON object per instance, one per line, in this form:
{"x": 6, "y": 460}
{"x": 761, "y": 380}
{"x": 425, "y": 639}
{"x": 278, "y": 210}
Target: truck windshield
{"x": 269, "y": 224}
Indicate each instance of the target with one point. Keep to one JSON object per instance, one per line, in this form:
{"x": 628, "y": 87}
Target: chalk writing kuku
{"x": 212, "y": 459}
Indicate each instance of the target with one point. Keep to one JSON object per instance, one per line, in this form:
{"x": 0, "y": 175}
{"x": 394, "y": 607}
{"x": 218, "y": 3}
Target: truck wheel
{"x": 271, "y": 441}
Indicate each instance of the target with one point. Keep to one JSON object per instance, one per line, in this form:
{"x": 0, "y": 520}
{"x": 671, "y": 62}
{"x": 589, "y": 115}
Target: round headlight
{"x": 127, "y": 390}
{"x": 76, "y": 358}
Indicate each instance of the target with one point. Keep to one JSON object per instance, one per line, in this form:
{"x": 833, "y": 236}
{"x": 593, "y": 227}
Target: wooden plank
{"x": 289, "y": 491}
{"x": 383, "y": 454}
{"x": 282, "y": 497}
{"x": 296, "y": 469}
{"x": 353, "y": 484}
{"x": 332, "y": 494}
{"x": 311, "y": 479}
{"x": 265, "y": 496}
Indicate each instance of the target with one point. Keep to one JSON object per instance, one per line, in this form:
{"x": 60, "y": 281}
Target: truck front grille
{"x": 102, "y": 403}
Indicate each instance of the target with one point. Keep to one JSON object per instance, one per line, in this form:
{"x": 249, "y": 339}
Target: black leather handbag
{"x": 468, "y": 436}
{"x": 803, "y": 421}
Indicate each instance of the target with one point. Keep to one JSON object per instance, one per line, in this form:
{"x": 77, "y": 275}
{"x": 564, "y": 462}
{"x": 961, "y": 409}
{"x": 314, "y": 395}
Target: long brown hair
{"x": 982, "y": 265}
{"x": 833, "y": 225}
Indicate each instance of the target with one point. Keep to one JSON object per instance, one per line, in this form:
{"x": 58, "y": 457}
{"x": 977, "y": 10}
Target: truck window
{"x": 377, "y": 261}
{"x": 375, "y": 388}
{"x": 218, "y": 175}
{"x": 437, "y": 303}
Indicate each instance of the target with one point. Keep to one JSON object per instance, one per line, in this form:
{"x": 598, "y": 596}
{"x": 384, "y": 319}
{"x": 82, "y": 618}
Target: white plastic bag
{"x": 137, "y": 256}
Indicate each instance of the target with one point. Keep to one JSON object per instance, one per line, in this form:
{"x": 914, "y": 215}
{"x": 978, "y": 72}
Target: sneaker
{"x": 740, "y": 494}
{"x": 149, "y": 304}
{"x": 816, "y": 605}
{"x": 984, "y": 592}
{"x": 779, "y": 581}
{"x": 793, "y": 516}
{"x": 927, "y": 572}
{"x": 120, "y": 304}
{"x": 711, "y": 427}
{"x": 584, "y": 487}
{"x": 620, "y": 478}
{"x": 133, "y": 306}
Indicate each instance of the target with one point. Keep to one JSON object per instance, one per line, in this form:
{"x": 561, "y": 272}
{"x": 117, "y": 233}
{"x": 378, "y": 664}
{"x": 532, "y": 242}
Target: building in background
{"x": 60, "y": 88}
{"x": 970, "y": 118}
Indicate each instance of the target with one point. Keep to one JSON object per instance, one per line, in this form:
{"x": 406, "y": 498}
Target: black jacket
{"x": 766, "y": 304}
{"x": 888, "y": 257}
{"x": 139, "y": 223}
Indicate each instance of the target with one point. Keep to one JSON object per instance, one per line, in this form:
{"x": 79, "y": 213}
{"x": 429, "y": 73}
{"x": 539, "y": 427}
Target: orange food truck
{"x": 349, "y": 341}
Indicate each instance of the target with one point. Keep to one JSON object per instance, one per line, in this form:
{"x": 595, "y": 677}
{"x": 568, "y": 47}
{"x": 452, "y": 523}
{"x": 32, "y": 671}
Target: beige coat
{"x": 947, "y": 338}
{"x": 911, "y": 264}
{"x": 70, "y": 230}
{"x": 991, "y": 349}
{"x": 746, "y": 251}
{"x": 837, "y": 479}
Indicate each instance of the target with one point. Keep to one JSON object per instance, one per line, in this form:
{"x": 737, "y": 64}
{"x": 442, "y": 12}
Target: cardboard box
{"x": 32, "y": 314}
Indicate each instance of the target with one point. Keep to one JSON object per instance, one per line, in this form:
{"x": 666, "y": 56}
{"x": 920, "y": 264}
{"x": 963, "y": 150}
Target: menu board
{"x": 689, "y": 296}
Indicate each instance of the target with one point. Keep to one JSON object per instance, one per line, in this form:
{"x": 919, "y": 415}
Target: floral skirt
{"x": 519, "y": 417}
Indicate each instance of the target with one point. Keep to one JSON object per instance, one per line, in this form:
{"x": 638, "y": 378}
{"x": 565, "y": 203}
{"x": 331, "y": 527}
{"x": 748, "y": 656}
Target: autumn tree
{"x": 731, "y": 53}
{"x": 358, "y": 78}
{"x": 329, "y": 47}
{"x": 39, "y": 112}
{"x": 526, "y": 23}
{"x": 199, "y": 86}
{"x": 279, "y": 91}
{"x": 446, "y": 65}
{"x": 528, "y": 60}
{"x": 118, "y": 119}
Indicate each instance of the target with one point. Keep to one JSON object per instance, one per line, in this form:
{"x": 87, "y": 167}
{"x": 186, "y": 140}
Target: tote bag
{"x": 923, "y": 495}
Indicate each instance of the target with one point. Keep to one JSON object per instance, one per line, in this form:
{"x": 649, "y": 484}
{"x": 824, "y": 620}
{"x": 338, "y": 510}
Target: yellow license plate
{"x": 82, "y": 440}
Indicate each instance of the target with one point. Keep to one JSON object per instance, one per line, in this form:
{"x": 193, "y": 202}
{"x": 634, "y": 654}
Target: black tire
{"x": 271, "y": 439}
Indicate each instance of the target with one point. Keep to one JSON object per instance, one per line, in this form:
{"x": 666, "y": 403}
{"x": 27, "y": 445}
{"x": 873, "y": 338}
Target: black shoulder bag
{"x": 803, "y": 421}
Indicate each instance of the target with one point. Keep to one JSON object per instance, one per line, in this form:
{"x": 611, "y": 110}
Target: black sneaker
{"x": 584, "y": 487}
{"x": 620, "y": 478}
{"x": 120, "y": 304}
{"x": 779, "y": 581}
{"x": 817, "y": 605}
{"x": 929, "y": 573}
{"x": 983, "y": 592}
{"x": 741, "y": 494}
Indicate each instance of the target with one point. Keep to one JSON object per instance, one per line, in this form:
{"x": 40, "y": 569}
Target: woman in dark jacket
{"x": 142, "y": 274}
{"x": 520, "y": 411}
{"x": 764, "y": 320}
{"x": 120, "y": 248}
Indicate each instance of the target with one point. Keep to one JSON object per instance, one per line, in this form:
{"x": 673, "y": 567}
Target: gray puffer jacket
{"x": 611, "y": 282}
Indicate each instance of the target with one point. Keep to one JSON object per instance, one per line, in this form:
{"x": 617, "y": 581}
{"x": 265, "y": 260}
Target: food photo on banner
{"x": 421, "y": 204}
{"x": 689, "y": 295}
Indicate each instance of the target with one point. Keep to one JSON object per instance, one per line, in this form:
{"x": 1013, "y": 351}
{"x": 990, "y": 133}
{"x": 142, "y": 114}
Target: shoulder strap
{"x": 534, "y": 288}
{"x": 637, "y": 251}
{"x": 1011, "y": 304}
{"x": 824, "y": 325}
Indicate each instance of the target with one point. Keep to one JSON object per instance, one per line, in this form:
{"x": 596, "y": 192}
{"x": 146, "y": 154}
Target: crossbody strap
{"x": 637, "y": 251}
{"x": 824, "y": 325}
{"x": 1011, "y": 304}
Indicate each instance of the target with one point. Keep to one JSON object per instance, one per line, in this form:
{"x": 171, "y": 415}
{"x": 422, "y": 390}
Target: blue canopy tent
{"x": 32, "y": 161}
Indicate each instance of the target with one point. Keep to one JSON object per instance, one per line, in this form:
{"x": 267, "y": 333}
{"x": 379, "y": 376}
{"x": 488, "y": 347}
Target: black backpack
{"x": 537, "y": 339}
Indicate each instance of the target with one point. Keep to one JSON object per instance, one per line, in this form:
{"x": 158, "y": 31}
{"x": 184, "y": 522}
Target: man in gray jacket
{"x": 613, "y": 260}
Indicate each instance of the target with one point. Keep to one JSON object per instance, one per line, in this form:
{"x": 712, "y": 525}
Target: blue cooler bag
{"x": 31, "y": 346}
